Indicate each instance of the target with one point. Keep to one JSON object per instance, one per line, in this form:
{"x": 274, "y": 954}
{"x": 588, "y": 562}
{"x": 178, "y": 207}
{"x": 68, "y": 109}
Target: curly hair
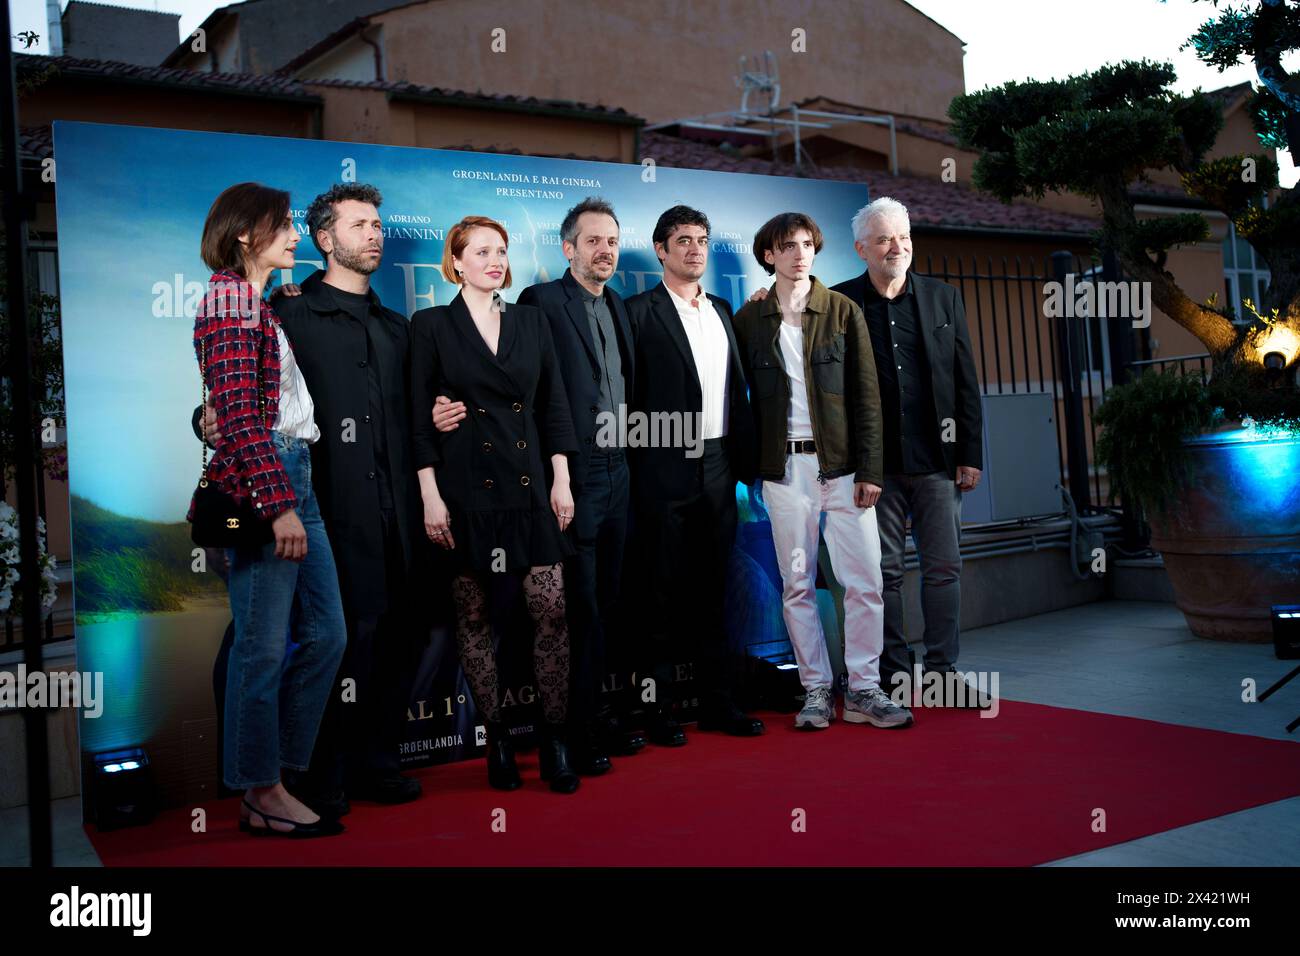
{"x": 321, "y": 213}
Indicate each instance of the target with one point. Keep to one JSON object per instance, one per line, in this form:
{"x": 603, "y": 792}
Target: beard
{"x": 593, "y": 270}
{"x": 356, "y": 260}
{"x": 896, "y": 268}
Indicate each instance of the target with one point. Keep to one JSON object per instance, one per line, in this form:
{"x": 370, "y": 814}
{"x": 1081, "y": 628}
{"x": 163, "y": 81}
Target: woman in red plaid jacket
{"x": 266, "y": 423}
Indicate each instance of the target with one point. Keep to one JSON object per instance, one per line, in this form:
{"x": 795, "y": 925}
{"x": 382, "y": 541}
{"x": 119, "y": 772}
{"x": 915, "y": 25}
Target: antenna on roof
{"x": 763, "y": 80}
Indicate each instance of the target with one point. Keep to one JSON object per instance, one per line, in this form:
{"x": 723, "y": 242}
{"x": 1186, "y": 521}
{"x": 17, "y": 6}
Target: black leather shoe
{"x": 587, "y": 757}
{"x": 390, "y": 788}
{"x": 731, "y": 720}
{"x": 633, "y": 742}
{"x": 328, "y": 804}
{"x": 614, "y": 738}
{"x": 553, "y": 754}
{"x": 663, "y": 731}
{"x": 503, "y": 774}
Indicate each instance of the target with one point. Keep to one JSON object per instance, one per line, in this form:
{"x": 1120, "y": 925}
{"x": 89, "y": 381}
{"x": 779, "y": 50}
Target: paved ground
{"x": 1119, "y": 657}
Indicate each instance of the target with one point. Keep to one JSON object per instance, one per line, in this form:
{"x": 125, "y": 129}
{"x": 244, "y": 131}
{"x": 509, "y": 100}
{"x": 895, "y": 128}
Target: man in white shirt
{"x": 684, "y": 495}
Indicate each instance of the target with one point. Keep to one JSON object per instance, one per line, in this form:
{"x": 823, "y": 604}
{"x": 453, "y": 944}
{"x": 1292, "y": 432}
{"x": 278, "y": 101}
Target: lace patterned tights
{"x": 544, "y": 594}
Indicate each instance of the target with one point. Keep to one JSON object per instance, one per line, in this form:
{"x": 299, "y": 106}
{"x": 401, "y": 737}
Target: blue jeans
{"x": 274, "y": 703}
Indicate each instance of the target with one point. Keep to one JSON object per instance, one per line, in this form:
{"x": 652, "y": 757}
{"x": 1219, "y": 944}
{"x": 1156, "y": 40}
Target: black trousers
{"x": 683, "y": 553}
{"x": 593, "y": 582}
{"x": 359, "y": 738}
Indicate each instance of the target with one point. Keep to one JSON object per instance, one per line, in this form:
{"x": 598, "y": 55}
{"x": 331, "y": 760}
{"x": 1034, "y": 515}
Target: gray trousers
{"x": 934, "y": 503}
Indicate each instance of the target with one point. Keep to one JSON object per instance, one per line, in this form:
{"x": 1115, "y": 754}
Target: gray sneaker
{"x": 818, "y": 710}
{"x": 873, "y": 706}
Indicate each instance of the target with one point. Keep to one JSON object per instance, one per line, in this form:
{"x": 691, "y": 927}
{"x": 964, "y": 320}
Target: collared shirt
{"x": 296, "y": 416}
{"x": 606, "y": 341}
{"x": 383, "y": 363}
{"x": 711, "y": 351}
{"x": 906, "y": 397}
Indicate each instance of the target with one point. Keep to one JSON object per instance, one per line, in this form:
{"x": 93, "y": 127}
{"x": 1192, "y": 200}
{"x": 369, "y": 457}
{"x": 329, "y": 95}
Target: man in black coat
{"x": 355, "y": 358}
{"x": 593, "y": 341}
{"x": 933, "y": 430}
{"x": 692, "y": 384}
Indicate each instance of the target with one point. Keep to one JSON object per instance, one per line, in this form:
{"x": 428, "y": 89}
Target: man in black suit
{"x": 684, "y": 495}
{"x": 593, "y": 341}
{"x": 354, "y": 355}
{"x": 933, "y": 428}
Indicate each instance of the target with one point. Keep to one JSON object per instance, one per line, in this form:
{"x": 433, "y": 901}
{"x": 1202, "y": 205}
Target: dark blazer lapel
{"x": 463, "y": 322}
{"x": 858, "y": 290}
{"x": 672, "y": 322}
{"x": 509, "y": 330}
{"x": 577, "y": 312}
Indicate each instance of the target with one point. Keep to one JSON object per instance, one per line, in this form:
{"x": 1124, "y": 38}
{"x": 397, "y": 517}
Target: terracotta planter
{"x": 1231, "y": 544}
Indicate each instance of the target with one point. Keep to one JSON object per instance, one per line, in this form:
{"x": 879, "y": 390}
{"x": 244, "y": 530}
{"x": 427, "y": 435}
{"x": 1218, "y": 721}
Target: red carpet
{"x": 955, "y": 790}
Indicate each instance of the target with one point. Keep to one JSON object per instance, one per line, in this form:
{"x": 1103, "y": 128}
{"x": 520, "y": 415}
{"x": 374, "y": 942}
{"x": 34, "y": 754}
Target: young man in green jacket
{"x": 812, "y": 378}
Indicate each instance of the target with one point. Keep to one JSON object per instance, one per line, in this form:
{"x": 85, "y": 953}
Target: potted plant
{"x": 1215, "y": 464}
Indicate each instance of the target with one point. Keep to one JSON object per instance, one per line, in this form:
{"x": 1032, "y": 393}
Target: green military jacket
{"x": 840, "y": 369}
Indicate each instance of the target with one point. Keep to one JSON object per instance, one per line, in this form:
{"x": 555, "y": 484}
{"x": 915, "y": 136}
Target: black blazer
{"x": 669, "y": 382}
{"x": 516, "y": 417}
{"x": 951, "y": 361}
{"x": 561, "y": 302}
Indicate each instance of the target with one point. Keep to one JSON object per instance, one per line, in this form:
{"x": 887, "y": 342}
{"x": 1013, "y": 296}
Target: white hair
{"x": 884, "y": 206}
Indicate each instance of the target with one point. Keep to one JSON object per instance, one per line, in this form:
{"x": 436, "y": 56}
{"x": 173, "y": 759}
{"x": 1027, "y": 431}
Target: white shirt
{"x": 798, "y": 422}
{"x": 711, "y": 351}
{"x": 297, "y": 415}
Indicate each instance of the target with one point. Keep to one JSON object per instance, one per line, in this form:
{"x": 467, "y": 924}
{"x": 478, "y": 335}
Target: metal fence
{"x": 1075, "y": 358}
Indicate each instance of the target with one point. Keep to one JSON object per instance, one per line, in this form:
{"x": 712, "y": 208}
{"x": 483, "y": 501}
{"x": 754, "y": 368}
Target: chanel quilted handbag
{"x": 219, "y": 520}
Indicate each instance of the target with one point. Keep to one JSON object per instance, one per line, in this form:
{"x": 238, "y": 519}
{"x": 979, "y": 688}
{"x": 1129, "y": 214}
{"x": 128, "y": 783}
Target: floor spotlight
{"x": 122, "y": 792}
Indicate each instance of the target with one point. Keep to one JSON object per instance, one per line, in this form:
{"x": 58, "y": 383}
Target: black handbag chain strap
{"x": 203, "y": 416}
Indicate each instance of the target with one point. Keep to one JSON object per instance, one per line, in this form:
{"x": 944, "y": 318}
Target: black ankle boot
{"x": 502, "y": 772}
{"x": 554, "y": 758}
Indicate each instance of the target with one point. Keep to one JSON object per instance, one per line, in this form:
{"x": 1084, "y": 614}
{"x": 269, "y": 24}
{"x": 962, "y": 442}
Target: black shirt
{"x": 383, "y": 363}
{"x": 906, "y": 399}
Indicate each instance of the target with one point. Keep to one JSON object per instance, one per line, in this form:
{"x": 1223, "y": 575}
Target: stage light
{"x": 1286, "y": 631}
{"x": 1276, "y": 346}
{"x": 121, "y": 791}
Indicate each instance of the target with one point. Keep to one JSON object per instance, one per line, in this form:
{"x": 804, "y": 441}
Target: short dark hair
{"x": 569, "y": 227}
{"x": 242, "y": 208}
{"x": 677, "y": 216}
{"x": 777, "y": 230}
{"x": 321, "y": 213}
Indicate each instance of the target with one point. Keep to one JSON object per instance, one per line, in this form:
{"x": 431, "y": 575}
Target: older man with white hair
{"x": 930, "y": 403}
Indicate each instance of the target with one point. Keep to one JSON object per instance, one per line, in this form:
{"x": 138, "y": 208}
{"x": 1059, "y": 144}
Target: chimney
{"x": 55, "y": 20}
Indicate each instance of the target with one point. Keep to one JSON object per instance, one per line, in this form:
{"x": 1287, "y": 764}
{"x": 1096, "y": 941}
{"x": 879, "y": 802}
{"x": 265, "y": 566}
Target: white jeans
{"x": 798, "y": 505}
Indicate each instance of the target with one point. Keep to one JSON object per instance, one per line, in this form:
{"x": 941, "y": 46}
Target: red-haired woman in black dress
{"x": 484, "y": 484}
